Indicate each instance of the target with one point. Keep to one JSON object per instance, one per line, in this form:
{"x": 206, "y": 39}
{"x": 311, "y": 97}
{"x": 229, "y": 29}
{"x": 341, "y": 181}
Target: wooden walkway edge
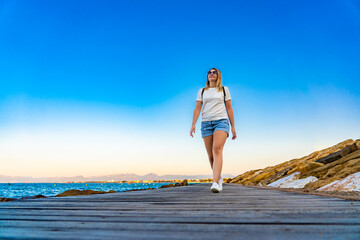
{"x": 187, "y": 212}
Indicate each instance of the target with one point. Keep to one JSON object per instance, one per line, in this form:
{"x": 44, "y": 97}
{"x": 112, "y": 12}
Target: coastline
{"x": 346, "y": 195}
{"x": 76, "y": 192}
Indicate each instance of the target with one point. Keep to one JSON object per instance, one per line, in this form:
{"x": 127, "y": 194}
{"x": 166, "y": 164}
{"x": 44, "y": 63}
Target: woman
{"x": 215, "y": 122}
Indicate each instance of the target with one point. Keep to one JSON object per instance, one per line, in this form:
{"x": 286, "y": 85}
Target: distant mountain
{"x": 114, "y": 177}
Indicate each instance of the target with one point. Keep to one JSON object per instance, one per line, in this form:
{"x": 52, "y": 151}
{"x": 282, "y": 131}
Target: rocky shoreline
{"x": 334, "y": 171}
{"x": 76, "y": 192}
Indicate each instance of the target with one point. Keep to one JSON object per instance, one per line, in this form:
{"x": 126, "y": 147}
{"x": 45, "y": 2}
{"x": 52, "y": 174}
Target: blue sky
{"x": 115, "y": 82}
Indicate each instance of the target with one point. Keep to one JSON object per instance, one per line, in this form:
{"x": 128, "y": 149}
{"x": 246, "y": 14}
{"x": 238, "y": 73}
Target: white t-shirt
{"x": 213, "y": 103}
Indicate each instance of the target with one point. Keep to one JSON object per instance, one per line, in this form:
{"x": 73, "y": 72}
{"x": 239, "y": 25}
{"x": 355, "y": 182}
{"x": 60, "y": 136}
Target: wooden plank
{"x": 178, "y": 219}
{"x": 169, "y": 205}
{"x": 182, "y": 213}
{"x": 184, "y": 231}
{"x": 241, "y": 214}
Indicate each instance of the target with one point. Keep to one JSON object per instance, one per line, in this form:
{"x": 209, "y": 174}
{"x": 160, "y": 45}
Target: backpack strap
{"x": 224, "y": 93}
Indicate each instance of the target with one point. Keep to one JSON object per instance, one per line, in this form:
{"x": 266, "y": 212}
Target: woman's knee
{"x": 217, "y": 149}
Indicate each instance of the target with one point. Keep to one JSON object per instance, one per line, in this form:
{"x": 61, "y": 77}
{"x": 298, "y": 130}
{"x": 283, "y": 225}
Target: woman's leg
{"x": 219, "y": 138}
{"x": 208, "y": 140}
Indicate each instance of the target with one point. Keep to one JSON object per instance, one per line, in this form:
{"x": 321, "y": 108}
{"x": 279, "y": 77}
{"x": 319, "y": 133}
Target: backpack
{"x": 204, "y": 90}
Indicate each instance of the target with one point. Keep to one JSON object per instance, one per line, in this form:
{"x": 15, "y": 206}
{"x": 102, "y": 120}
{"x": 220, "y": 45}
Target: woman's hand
{"x": 233, "y": 133}
{"x": 192, "y": 130}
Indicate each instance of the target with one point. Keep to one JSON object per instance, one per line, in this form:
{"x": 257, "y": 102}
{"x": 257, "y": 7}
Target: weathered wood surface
{"x": 189, "y": 212}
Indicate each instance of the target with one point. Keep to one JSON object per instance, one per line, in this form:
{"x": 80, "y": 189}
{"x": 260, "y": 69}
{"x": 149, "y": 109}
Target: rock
{"x": 4, "y": 199}
{"x": 337, "y": 155}
{"x": 335, "y": 171}
{"x": 311, "y": 166}
{"x": 292, "y": 181}
{"x": 255, "y": 177}
{"x": 262, "y": 176}
{"x": 184, "y": 182}
{"x": 75, "y": 192}
{"x": 321, "y": 165}
{"x": 244, "y": 176}
{"x": 33, "y": 197}
{"x": 277, "y": 175}
{"x": 357, "y": 144}
{"x": 306, "y": 167}
{"x": 39, "y": 196}
{"x": 350, "y": 183}
{"x": 322, "y": 171}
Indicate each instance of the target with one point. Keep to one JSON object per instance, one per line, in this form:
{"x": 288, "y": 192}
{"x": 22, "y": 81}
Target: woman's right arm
{"x": 195, "y": 116}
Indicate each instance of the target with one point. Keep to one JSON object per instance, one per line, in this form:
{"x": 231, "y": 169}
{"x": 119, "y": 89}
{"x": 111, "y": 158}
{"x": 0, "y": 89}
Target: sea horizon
{"x": 107, "y": 178}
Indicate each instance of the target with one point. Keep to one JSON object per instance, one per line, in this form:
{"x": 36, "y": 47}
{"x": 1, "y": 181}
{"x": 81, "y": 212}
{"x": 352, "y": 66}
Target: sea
{"x": 23, "y": 190}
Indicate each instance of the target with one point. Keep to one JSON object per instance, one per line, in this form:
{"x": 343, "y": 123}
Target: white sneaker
{"x": 215, "y": 188}
{"x": 221, "y": 182}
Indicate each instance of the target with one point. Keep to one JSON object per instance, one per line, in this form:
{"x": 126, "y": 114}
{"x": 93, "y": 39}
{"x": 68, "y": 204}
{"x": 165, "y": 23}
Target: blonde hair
{"x": 218, "y": 81}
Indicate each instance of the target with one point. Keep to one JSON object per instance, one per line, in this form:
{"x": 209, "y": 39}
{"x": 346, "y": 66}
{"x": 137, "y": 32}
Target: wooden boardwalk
{"x": 188, "y": 212}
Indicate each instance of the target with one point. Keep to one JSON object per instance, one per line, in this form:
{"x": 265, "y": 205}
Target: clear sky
{"x": 106, "y": 87}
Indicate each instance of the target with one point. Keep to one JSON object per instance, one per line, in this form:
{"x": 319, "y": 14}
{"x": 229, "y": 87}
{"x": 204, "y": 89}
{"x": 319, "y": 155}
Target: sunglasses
{"x": 212, "y": 72}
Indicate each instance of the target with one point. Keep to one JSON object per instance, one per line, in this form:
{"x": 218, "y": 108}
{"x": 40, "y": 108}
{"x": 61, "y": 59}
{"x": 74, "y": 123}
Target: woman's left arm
{"x": 230, "y": 113}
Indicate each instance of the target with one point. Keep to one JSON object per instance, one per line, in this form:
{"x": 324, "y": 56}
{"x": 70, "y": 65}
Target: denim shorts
{"x": 208, "y": 127}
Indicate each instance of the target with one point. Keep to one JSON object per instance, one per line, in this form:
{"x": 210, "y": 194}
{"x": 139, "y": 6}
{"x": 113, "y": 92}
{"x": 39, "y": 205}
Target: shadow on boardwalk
{"x": 189, "y": 212}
